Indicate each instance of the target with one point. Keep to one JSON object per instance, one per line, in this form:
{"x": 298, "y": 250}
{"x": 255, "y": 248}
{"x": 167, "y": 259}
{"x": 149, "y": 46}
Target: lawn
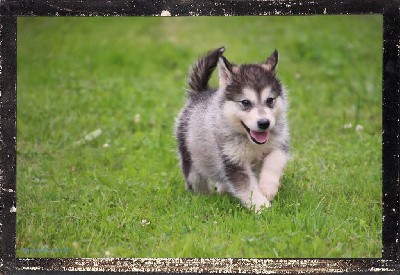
{"x": 97, "y": 170}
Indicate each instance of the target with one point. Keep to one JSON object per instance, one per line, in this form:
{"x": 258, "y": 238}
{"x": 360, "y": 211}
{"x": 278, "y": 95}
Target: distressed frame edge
{"x": 192, "y": 8}
{"x": 8, "y": 102}
{"x": 211, "y": 265}
{"x": 391, "y": 133}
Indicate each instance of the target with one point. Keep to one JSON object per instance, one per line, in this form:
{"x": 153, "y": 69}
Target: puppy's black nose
{"x": 263, "y": 124}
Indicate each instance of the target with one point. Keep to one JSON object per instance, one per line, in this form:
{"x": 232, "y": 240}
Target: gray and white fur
{"x": 235, "y": 137}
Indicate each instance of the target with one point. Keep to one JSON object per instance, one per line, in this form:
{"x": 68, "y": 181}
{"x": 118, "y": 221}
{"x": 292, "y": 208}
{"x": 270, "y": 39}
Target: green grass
{"x": 78, "y": 197}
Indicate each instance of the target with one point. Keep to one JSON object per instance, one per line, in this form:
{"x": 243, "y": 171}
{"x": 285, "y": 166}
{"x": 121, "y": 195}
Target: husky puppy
{"x": 235, "y": 137}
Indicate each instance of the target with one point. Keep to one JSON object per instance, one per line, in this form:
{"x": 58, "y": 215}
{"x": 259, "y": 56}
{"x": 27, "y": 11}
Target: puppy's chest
{"x": 243, "y": 153}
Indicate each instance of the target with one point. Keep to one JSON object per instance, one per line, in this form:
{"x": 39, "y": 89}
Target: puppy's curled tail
{"x": 201, "y": 71}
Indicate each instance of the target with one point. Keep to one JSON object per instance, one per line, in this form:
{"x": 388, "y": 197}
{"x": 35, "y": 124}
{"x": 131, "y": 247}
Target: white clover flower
{"x": 137, "y": 118}
{"x": 75, "y": 245}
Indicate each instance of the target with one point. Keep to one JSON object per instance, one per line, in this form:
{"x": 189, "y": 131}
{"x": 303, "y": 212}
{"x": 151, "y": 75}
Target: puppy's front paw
{"x": 270, "y": 190}
{"x": 258, "y": 202}
{"x": 259, "y": 208}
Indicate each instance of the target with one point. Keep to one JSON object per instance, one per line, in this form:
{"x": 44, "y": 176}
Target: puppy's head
{"x": 253, "y": 97}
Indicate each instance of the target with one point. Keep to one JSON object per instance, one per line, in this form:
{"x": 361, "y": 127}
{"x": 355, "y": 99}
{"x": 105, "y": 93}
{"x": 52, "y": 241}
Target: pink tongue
{"x": 260, "y": 137}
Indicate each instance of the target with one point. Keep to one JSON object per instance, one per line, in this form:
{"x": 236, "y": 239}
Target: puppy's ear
{"x": 226, "y": 71}
{"x": 271, "y": 63}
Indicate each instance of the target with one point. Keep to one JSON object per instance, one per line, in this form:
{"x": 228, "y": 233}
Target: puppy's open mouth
{"x": 257, "y": 137}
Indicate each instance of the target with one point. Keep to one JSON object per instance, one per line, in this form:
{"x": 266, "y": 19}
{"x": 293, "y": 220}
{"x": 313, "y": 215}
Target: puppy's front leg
{"x": 242, "y": 184}
{"x": 271, "y": 172}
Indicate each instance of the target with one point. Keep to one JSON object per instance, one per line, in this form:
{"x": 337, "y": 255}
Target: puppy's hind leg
{"x": 221, "y": 187}
{"x": 197, "y": 184}
{"x": 194, "y": 181}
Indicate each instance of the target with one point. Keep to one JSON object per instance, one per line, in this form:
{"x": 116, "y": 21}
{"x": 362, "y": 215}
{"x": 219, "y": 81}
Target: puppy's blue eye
{"x": 245, "y": 103}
